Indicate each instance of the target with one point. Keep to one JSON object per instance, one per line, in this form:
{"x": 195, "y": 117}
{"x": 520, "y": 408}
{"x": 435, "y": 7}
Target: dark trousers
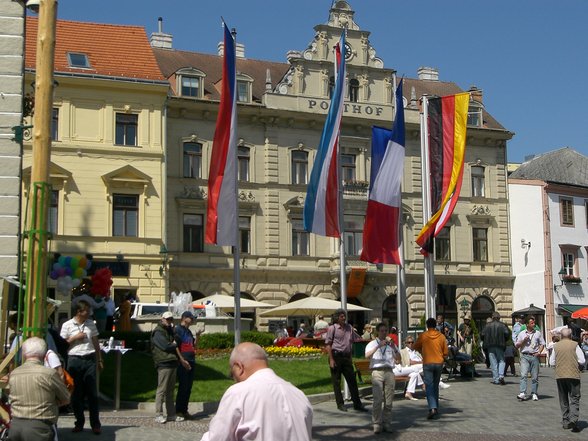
{"x": 28, "y": 430}
{"x": 83, "y": 372}
{"x": 510, "y": 363}
{"x": 185, "y": 380}
{"x": 568, "y": 390}
{"x": 344, "y": 365}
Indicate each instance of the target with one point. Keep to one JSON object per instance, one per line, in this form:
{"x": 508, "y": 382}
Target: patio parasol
{"x": 581, "y": 313}
{"x": 310, "y": 306}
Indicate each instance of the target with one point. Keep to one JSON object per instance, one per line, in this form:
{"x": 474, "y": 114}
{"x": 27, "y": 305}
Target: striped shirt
{"x": 35, "y": 391}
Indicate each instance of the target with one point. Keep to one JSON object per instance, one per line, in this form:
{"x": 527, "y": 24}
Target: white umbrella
{"x": 310, "y": 306}
{"x": 227, "y": 303}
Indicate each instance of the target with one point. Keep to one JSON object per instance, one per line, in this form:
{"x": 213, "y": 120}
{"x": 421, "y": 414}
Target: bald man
{"x": 260, "y": 405}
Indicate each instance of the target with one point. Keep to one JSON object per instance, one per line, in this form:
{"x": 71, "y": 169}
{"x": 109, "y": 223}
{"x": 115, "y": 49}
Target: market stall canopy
{"x": 310, "y": 306}
{"x": 567, "y": 309}
{"x": 227, "y": 303}
{"x": 531, "y": 310}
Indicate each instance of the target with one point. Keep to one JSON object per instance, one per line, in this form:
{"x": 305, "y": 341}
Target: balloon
{"x": 60, "y": 285}
{"x": 56, "y": 266}
{"x": 74, "y": 262}
{"x": 61, "y": 260}
{"x": 84, "y": 273}
{"x": 76, "y": 282}
{"x": 88, "y": 264}
{"x": 61, "y": 272}
{"x": 54, "y": 275}
{"x": 78, "y": 273}
{"x": 67, "y": 262}
{"x": 68, "y": 271}
{"x": 83, "y": 262}
{"x": 68, "y": 279}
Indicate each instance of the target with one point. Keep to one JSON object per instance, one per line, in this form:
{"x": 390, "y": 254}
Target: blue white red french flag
{"x": 381, "y": 229}
{"x": 321, "y": 207}
{"x": 221, "y": 225}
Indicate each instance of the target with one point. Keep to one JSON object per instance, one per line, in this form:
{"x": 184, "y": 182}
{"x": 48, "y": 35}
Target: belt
{"x": 528, "y": 354}
{"x": 383, "y": 368}
{"x": 84, "y": 357}
{"x": 341, "y": 354}
{"x": 48, "y": 422}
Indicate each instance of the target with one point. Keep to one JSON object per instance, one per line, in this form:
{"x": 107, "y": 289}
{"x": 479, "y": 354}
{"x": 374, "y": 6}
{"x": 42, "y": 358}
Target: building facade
{"x": 281, "y": 112}
{"x": 11, "y": 107}
{"x": 549, "y": 228}
{"x": 108, "y": 160}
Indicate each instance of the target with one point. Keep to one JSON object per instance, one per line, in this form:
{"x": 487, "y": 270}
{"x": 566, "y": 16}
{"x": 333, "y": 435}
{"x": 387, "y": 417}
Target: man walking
{"x": 165, "y": 356}
{"x": 260, "y": 405}
{"x": 338, "y": 342}
{"x": 36, "y": 392}
{"x": 567, "y": 356}
{"x": 383, "y": 354}
{"x": 530, "y": 343}
{"x": 494, "y": 335}
{"x": 433, "y": 346}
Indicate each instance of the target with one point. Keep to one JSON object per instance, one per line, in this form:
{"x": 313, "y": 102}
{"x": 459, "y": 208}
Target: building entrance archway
{"x": 482, "y": 308}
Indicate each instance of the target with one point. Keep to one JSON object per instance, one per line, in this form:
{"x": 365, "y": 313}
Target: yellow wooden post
{"x": 36, "y": 270}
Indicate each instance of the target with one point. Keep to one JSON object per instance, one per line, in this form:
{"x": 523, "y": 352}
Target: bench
{"x": 362, "y": 367}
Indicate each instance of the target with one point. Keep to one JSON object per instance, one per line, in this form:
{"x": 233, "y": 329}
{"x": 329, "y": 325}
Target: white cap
{"x": 167, "y": 315}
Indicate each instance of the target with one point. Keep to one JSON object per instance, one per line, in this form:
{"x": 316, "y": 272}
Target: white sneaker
{"x": 522, "y": 396}
{"x": 160, "y": 419}
{"x": 535, "y": 397}
{"x": 444, "y": 385}
{"x": 178, "y": 419}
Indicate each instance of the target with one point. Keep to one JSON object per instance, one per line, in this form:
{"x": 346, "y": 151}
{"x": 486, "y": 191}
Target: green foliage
{"x": 476, "y": 348}
{"x": 226, "y": 340}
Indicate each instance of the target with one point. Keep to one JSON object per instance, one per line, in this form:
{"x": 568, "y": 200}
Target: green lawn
{"x": 139, "y": 376}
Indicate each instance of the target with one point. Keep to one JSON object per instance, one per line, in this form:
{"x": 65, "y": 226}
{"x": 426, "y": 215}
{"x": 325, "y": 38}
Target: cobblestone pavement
{"x": 468, "y": 408}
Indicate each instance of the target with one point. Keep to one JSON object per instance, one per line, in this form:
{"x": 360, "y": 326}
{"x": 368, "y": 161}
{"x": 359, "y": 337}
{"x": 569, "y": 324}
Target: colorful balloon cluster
{"x": 69, "y": 271}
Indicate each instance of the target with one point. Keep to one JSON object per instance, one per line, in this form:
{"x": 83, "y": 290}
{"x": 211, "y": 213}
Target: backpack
{"x": 61, "y": 344}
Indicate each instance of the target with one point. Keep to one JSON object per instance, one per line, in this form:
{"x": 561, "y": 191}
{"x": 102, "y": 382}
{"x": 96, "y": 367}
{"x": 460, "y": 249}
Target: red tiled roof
{"x": 170, "y": 61}
{"x": 112, "y": 50}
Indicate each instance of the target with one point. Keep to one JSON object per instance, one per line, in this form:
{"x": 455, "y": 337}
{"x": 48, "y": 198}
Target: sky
{"x": 528, "y": 56}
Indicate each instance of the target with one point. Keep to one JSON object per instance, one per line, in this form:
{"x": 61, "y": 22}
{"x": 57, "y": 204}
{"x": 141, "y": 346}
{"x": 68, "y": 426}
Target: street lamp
{"x": 164, "y": 260}
{"x": 561, "y": 274}
{"x": 464, "y": 305}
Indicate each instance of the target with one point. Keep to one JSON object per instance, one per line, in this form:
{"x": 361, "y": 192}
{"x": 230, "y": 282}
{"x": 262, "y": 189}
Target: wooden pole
{"x": 36, "y": 271}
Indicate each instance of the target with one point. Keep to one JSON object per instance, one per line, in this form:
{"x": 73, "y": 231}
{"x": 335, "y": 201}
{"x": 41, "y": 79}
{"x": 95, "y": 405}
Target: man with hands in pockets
{"x": 383, "y": 354}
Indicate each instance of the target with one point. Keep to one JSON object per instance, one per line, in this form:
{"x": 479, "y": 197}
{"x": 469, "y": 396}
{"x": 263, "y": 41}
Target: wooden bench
{"x": 362, "y": 367}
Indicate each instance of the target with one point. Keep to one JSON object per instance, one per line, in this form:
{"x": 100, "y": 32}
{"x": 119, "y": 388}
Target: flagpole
{"x": 236, "y": 253}
{"x": 342, "y": 259}
{"x": 425, "y": 183}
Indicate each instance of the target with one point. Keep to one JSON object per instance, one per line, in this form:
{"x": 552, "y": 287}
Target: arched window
{"x": 389, "y": 310}
{"x": 482, "y": 308}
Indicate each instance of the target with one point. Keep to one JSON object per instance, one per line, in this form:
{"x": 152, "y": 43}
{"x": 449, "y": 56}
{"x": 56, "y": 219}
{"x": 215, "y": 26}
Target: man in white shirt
{"x": 412, "y": 367}
{"x": 260, "y": 405}
{"x": 383, "y": 355}
{"x": 84, "y": 358}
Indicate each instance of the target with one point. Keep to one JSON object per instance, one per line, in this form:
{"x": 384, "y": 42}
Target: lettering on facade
{"x": 356, "y": 109}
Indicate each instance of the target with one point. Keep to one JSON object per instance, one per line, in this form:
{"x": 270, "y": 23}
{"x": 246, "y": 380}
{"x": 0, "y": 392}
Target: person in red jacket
{"x": 432, "y": 344}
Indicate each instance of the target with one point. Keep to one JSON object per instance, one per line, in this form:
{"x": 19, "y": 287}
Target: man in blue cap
{"x": 187, "y": 343}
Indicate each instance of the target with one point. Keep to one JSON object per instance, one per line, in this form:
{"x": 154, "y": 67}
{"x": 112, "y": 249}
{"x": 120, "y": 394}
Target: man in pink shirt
{"x": 260, "y": 405}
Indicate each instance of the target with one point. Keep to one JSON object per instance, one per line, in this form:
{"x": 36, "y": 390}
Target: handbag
{"x": 68, "y": 380}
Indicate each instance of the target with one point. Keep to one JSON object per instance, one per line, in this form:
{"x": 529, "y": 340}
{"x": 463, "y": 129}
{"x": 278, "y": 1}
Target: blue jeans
{"x": 529, "y": 363}
{"x": 497, "y": 364}
{"x": 432, "y": 377}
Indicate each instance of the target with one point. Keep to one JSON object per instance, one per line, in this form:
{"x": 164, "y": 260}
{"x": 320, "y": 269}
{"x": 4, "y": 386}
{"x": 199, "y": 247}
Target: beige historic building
{"x": 107, "y": 166}
{"x": 281, "y": 112}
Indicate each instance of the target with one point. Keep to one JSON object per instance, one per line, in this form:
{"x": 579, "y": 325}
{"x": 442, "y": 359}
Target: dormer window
{"x": 244, "y": 93}
{"x": 190, "y": 86}
{"x": 190, "y": 83}
{"x": 78, "y": 60}
{"x": 475, "y": 114}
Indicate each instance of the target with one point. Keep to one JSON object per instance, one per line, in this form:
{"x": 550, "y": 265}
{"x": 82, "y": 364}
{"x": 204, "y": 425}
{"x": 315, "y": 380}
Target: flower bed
{"x": 292, "y": 352}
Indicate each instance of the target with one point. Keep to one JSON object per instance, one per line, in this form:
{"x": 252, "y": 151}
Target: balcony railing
{"x": 356, "y": 188}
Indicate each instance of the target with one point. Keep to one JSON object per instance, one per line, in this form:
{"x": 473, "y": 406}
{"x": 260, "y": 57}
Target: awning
{"x": 567, "y": 309}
